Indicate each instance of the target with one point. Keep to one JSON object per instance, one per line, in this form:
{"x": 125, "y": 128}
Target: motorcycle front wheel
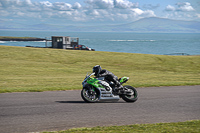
{"x": 90, "y": 95}
{"x": 130, "y": 98}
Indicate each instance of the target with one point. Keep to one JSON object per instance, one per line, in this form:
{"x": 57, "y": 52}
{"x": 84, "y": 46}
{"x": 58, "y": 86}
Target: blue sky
{"x": 95, "y": 12}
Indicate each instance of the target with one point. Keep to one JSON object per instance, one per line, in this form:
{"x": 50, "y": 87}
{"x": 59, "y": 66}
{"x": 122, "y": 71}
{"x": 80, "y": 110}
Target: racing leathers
{"x": 109, "y": 76}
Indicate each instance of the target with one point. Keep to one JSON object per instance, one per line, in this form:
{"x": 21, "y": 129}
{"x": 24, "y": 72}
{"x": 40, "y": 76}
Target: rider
{"x": 108, "y": 76}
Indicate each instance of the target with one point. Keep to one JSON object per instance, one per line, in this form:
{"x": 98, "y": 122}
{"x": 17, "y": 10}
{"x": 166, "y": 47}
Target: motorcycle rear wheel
{"x": 130, "y": 98}
{"x": 90, "y": 95}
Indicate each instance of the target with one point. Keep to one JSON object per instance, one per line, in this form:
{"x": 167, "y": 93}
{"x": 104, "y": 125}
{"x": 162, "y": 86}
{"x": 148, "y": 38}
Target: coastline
{"x": 163, "y": 44}
{"x": 10, "y": 38}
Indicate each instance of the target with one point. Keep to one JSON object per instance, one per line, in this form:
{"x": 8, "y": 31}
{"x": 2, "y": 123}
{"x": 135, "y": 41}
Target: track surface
{"x": 60, "y": 110}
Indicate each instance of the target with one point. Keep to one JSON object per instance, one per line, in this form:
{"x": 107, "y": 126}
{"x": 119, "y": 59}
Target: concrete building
{"x": 64, "y": 42}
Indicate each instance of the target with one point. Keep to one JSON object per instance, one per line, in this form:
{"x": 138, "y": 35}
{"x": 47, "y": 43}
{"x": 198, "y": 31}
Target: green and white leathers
{"x": 97, "y": 89}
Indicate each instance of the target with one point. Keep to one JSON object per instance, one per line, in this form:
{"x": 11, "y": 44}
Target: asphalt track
{"x": 60, "y": 110}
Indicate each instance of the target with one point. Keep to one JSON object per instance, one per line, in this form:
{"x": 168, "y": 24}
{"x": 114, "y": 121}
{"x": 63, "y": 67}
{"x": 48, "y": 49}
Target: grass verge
{"x": 179, "y": 127}
{"x": 33, "y": 69}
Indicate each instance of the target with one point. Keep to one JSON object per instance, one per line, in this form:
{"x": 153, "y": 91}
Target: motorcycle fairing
{"x": 94, "y": 82}
{"x": 104, "y": 94}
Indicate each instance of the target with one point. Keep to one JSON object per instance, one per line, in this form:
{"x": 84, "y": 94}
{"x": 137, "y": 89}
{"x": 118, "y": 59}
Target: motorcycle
{"x": 98, "y": 89}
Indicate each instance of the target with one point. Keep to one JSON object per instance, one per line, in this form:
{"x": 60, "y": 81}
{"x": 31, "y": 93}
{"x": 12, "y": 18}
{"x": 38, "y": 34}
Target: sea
{"x": 144, "y": 43}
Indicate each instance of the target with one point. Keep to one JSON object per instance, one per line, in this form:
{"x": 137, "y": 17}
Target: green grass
{"x": 35, "y": 69}
{"x": 179, "y": 127}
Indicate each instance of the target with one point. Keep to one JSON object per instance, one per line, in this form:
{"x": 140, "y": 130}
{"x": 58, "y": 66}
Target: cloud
{"x": 184, "y": 7}
{"x": 108, "y": 4}
{"x": 46, "y": 4}
{"x": 181, "y": 10}
{"x": 138, "y": 12}
{"x": 61, "y": 6}
{"x": 124, "y": 4}
{"x": 18, "y": 3}
{"x": 170, "y": 8}
{"x": 76, "y": 5}
{"x": 150, "y": 6}
{"x": 100, "y": 4}
{"x": 92, "y": 11}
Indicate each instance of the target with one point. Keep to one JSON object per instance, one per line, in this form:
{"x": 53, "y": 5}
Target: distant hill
{"x": 145, "y": 25}
{"x": 154, "y": 24}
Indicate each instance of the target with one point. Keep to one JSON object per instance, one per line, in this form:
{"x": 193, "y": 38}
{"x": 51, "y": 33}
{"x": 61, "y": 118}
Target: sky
{"x": 95, "y": 12}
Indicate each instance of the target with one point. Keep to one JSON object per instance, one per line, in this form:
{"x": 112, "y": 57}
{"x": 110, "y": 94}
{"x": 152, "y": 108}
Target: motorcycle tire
{"x": 90, "y": 95}
{"x": 131, "y": 98}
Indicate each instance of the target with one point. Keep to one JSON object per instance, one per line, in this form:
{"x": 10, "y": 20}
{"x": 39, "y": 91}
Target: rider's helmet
{"x": 96, "y": 70}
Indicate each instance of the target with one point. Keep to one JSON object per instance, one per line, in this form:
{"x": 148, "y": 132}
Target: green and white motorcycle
{"x": 97, "y": 89}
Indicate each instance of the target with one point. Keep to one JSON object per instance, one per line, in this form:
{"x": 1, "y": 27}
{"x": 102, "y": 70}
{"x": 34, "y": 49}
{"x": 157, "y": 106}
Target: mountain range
{"x": 145, "y": 25}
